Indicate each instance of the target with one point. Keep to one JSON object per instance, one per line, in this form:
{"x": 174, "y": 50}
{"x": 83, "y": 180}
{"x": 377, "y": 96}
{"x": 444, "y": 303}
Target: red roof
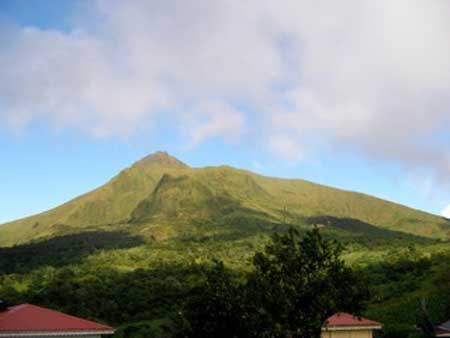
{"x": 30, "y": 318}
{"x": 343, "y": 319}
{"x": 441, "y": 331}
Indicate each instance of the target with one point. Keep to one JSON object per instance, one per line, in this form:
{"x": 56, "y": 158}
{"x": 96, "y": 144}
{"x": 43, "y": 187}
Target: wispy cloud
{"x": 446, "y": 212}
{"x": 372, "y": 76}
{"x": 210, "y": 119}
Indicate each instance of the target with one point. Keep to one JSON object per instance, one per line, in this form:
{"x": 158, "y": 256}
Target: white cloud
{"x": 372, "y": 76}
{"x": 211, "y": 119}
{"x": 287, "y": 147}
{"x": 446, "y": 212}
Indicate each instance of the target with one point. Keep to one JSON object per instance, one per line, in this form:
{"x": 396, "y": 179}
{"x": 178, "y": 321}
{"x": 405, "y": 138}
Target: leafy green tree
{"x": 424, "y": 321}
{"x": 216, "y": 309}
{"x": 296, "y": 284}
{"x": 299, "y": 282}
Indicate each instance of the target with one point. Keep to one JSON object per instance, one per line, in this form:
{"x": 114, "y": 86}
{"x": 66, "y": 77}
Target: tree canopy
{"x": 296, "y": 283}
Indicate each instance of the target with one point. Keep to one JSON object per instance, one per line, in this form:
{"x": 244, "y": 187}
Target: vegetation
{"x": 143, "y": 286}
{"x": 162, "y": 197}
{"x": 294, "y": 286}
{"x": 139, "y": 251}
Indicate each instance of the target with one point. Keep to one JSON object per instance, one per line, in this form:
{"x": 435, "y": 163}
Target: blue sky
{"x": 296, "y": 91}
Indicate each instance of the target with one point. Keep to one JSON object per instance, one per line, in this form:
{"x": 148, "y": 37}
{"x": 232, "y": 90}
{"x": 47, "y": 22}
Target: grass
{"x": 159, "y": 189}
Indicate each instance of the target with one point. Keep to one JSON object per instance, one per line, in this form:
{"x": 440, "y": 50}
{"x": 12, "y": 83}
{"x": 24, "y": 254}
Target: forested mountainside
{"x": 132, "y": 251}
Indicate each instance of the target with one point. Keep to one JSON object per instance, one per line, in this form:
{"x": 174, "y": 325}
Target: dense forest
{"x": 144, "y": 288}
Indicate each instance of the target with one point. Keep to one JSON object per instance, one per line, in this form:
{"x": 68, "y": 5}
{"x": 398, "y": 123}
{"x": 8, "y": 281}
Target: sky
{"x": 352, "y": 94}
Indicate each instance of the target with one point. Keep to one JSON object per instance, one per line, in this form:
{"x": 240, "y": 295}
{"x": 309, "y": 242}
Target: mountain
{"x": 160, "y": 197}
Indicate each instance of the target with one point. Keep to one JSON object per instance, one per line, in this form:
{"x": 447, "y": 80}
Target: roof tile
{"x": 347, "y": 320}
{"x": 27, "y": 317}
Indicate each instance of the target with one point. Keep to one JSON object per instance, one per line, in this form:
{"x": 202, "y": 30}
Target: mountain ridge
{"x": 161, "y": 192}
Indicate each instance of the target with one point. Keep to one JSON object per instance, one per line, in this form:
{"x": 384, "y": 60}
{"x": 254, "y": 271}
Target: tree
{"x": 424, "y": 321}
{"x": 216, "y": 308}
{"x": 296, "y": 284}
{"x": 299, "y": 282}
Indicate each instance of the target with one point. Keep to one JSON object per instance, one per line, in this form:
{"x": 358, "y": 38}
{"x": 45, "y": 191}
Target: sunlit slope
{"x": 160, "y": 190}
{"x": 109, "y": 204}
{"x": 309, "y": 200}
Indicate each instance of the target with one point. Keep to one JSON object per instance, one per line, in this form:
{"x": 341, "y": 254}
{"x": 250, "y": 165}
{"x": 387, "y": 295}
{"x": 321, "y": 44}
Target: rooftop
{"x": 443, "y": 330}
{"x": 345, "y": 320}
{"x": 32, "y": 318}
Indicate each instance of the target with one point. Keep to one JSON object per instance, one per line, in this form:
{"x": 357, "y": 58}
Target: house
{"x": 28, "y": 320}
{"x": 345, "y": 325}
{"x": 443, "y": 330}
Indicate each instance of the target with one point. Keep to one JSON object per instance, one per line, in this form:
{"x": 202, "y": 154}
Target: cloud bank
{"x": 372, "y": 77}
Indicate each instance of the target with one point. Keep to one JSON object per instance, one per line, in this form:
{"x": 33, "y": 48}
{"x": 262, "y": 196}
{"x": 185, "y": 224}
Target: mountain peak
{"x": 162, "y": 158}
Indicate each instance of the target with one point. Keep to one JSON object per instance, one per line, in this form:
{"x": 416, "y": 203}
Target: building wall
{"x": 347, "y": 334}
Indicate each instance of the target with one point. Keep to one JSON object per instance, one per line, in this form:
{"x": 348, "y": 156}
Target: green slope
{"x": 160, "y": 194}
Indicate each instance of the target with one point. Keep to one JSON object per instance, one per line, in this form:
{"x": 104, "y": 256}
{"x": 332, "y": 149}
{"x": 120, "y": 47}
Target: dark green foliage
{"x": 410, "y": 292}
{"x": 64, "y": 250}
{"x": 302, "y": 281}
{"x": 296, "y": 284}
{"x": 217, "y": 308}
{"x": 424, "y": 321}
{"x": 107, "y": 295}
{"x": 142, "y": 330}
{"x": 141, "y": 286}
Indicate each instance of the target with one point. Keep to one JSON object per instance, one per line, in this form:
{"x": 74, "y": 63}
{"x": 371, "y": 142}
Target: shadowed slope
{"x": 63, "y": 250}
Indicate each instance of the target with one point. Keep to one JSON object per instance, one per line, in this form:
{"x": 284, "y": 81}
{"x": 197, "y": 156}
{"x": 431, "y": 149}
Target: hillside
{"x": 160, "y": 197}
{"x": 134, "y": 250}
